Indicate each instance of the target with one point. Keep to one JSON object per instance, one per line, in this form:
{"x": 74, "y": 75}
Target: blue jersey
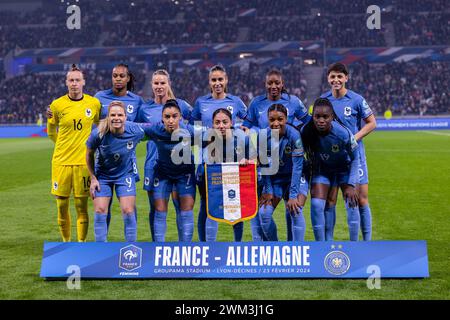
{"x": 151, "y": 112}
{"x": 115, "y": 152}
{"x": 257, "y": 110}
{"x": 205, "y": 106}
{"x": 238, "y": 148}
{"x": 336, "y": 152}
{"x": 166, "y": 147}
{"x": 350, "y": 109}
{"x": 290, "y": 152}
{"x": 132, "y": 103}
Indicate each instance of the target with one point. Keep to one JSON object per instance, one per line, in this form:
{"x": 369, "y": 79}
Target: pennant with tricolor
{"x": 231, "y": 192}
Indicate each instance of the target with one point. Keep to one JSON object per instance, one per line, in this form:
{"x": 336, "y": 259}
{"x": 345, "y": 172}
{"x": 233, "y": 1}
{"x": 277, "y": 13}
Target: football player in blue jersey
{"x": 333, "y": 153}
{"x": 287, "y": 183}
{"x": 204, "y": 108}
{"x": 115, "y": 142}
{"x": 169, "y": 174}
{"x": 151, "y": 111}
{"x": 353, "y": 110}
{"x": 276, "y": 93}
{"x": 229, "y": 138}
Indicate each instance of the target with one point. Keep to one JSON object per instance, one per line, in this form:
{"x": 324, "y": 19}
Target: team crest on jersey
{"x": 55, "y": 185}
{"x": 230, "y": 108}
{"x": 335, "y": 148}
{"x": 88, "y": 113}
{"x": 130, "y": 108}
{"x": 116, "y": 157}
{"x": 347, "y": 111}
{"x": 288, "y": 150}
{"x": 298, "y": 144}
{"x": 130, "y": 145}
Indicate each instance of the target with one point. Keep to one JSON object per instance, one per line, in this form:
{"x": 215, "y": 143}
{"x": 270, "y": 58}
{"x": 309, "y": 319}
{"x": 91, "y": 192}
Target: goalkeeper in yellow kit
{"x": 69, "y": 127}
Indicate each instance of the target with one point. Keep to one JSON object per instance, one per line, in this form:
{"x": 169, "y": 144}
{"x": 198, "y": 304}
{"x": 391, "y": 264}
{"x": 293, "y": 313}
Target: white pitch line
{"x": 436, "y": 133}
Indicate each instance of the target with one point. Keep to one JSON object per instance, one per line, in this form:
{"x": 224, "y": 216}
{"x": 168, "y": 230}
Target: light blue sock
{"x": 108, "y": 218}
{"x": 288, "y": 225}
{"x": 366, "y": 222}
{"x": 330, "y": 222}
{"x": 201, "y": 224}
{"x": 298, "y": 226}
{"x": 151, "y": 216}
{"x": 211, "y": 227}
{"x": 257, "y": 231}
{"x": 353, "y": 221}
{"x": 176, "y": 204}
{"x": 318, "y": 218}
{"x": 238, "y": 230}
{"x": 268, "y": 225}
{"x": 187, "y": 225}
{"x": 160, "y": 225}
{"x": 129, "y": 222}
{"x": 100, "y": 227}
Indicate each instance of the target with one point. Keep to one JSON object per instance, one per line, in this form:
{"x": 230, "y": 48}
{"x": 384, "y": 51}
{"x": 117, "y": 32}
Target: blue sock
{"x": 135, "y": 218}
{"x": 151, "y": 216}
{"x": 238, "y": 229}
{"x": 211, "y": 227}
{"x": 129, "y": 222}
{"x": 201, "y": 225}
{"x": 330, "y": 222}
{"x": 268, "y": 225}
{"x": 176, "y": 204}
{"x": 298, "y": 226}
{"x": 288, "y": 225}
{"x": 108, "y": 219}
{"x": 318, "y": 218}
{"x": 160, "y": 226}
{"x": 257, "y": 231}
{"x": 187, "y": 225}
{"x": 353, "y": 221}
{"x": 100, "y": 227}
{"x": 366, "y": 222}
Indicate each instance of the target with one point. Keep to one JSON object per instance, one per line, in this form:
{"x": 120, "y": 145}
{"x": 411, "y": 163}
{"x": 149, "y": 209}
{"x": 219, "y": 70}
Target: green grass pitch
{"x": 409, "y": 196}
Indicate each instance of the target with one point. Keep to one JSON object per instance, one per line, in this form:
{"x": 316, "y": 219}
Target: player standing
{"x": 70, "y": 126}
{"x": 257, "y": 118}
{"x": 333, "y": 153}
{"x": 351, "y": 109}
{"x": 287, "y": 183}
{"x": 122, "y": 87}
{"x": 204, "y": 108}
{"x": 151, "y": 111}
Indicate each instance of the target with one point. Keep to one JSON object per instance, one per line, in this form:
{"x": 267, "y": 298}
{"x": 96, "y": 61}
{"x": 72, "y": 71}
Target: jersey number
{"x": 77, "y": 125}
{"x": 86, "y": 182}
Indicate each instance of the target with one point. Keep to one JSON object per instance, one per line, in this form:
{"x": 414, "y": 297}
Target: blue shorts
{"x": 331, "y": 179}
{"x": 124, "y": 187}
{"x": 184, "y": 185}
{"x": 362, "y": 167}
{"x": 281, "y": 187}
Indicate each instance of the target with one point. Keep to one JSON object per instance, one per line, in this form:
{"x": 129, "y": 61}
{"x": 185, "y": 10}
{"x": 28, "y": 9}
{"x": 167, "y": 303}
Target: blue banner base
{"x": 235, "y": 260}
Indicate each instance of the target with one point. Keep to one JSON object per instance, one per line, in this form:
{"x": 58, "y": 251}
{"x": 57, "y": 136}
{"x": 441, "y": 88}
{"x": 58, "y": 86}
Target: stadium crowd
{"x": 407, "y": 88}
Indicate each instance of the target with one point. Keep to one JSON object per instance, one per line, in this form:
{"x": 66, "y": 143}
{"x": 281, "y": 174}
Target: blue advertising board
{"x": 414, "y": 124}
{"x": 147, "y": 260}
